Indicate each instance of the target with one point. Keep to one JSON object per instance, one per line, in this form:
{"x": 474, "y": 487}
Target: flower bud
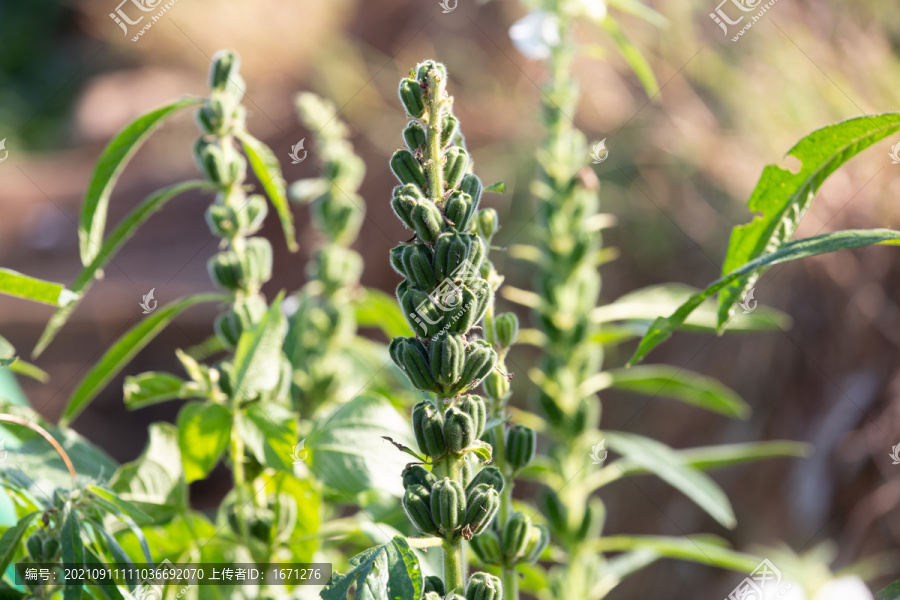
{"x": 520, "y": 446}
{"x": 538, "y": 540}
{"x": 414, "y": 135}
{"x": 475, "y": 407}
{"x": 448, "y": 505}
{"x": 427, "y": 220}
{"x": 487, "y": 223}
{"x": 459, "y": 430}
{"x": 417, "y": 505}
{"x": 490, "y": 476}
{"x": 410, "y": 355}
{"x": 418, "y": 475}
{"x": 455, "y": 167}
{"x": 515, "y": 536}
{"x": 411, "y": 96}
{"x": 459, "y": 209}
{"x": 487, "y": 547}
{"x": 481, "y": 506}
{"x": 407, "y": 168}
{"x": 434, "y": 584}
{"x": 447, "y": 353}
{"x": 506, "y": 327}
{"x": 428, "y": 427}
{"x": 483, "y": 586}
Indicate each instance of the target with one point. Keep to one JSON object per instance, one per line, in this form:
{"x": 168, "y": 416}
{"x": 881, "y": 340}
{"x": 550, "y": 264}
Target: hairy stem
{"x": 434, "y": 144}
{"x": 454, "y": 571}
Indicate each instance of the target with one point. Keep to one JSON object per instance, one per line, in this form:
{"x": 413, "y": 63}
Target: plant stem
{"x": 435, "y": 128}
{"x": 510, "y": 583}
{"x": 454, "y": 571}
{"x": 237, "y": 467}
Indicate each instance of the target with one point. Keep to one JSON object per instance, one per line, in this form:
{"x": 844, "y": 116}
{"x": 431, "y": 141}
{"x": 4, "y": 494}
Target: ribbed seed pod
{"x": 420, "y": 310}
{"x": 449, "y": 129}
{"x": 457, "y": 255}
{"x": 557, "y": 513}
{"x": 428, "y": 427}
{"x": 414, "y": 135}
{"x": 210, "y": 160}
{"x": 411, "y": 96}
{"x": 225, "y": 66}
{"x": 484, "y": 586}
{"x": 417, "y": 504}
{"x": 520, "y": 446}
{"x": 455, "y": 168}
{"x": 435, "y": 584}
{"x": 227, "y": 270}
{"x": 487, "y": 547}
{"x": 416, "y": 260}
{"x": 424, "y": 70}
{"x": 496, "y": 385}
{"x": 464, "y": 315}
{"x": 475, "y": 407}
{"x": 448, "y": 355}
{"x": 490, "y": 476}
{"x": 257, "y": 261}
{"x": 459, "y": 430}
{"x": 403, "y": 204}
{"x": 471, "y": 185}
{"x": 538, "y": 540}
{"x": 592, "y": 522}
{"x": 243, "y": 315}
{"x": 480, "y": 359}
{"x": 515, "y": 536}
{"x": 407, "y": 168}
{"x": 411, "y": 356}
{"x": 418, "y": 475}
{"x": 427, "y": 220}
{"x": 335, "y": 266}
{"x": 459, "y": 209}
{"x": 487, "y": 223}
{"x": 228, "y": 222}
{"x": 481, "y": 506}
{"x": 506, "y": 326}
{"x": 448, "y": 505}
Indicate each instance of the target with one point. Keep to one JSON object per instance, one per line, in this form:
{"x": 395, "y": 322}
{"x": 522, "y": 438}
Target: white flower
{"x": 535, "y": 34}
{"x": 848, "y": 587}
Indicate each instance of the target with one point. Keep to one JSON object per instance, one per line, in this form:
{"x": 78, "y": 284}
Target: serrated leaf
{"x": 265, "y": 164}
{"x": 783, "y": 197}
{"x": 664, "y": 462}
{"x": 204, "y": 430}
{"x": 124, "y": 349}
{"x": 111, "y": 245}
{"x": 257, "y": 357}
{"x": 388, "y": 572}
{"x": 377, "y": 309}
{"x": 663, "y": 327}
{"x": 11, "y": 540}
{"x": 13, "y": 283}
{"x": 109, "y": 166}
{"x": 151, "y": 388}
{"x": 269, "y": 433}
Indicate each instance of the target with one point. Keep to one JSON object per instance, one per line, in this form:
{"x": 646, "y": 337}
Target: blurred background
{"x": 679, "y": 171}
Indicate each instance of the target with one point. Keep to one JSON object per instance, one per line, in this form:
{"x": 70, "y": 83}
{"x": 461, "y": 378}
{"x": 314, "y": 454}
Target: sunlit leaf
{"x": 204, "y": 430}
{"x": 265, "y": 164}
{"x": 388, "y": 572}
{"x": 377, "y": 309}
{"x": 13, "y": 283}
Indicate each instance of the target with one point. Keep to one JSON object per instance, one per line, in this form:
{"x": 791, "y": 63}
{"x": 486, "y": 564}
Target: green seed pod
{"x": 407, "y": 168}
{"x": 484, "y": 586}
{"x": 538, "y": 540}
{"x": 244, "y": 314}
{"x": 50, "y": 550}
{"x": 483, "y": 293}
{"x": 427, "y": 220}
{"x": 487, "y": 547}
{"x": 227, "y": 270}
{"x": 448, "y": 505}
{"x": 210, "y": 160}
{"x": 434, "y": 584}
{"x": 455, "y": 167}
{"x": 414, "y": 135}
{"x": 487, "y": 223}
{"x": 463, "y": 316}
{"x": 257, "y": 261}
{"x": 35, "y": 546}
{"x": 403, "y": 206}
{"x": 515, "y": 536}
{"x": 420, "y": 310}
{"x": 417, "y": 505}
{"x": 470, "y": 466}
{"x": 482, "y": 504}
{"x": 475, "y": 407}
{"x": 228, "y": 222}
{"x": 410, "y": 93}
{"x": 449, "y": 129}
{"x": 490, "y": 476}
{"x": 592, "y": 522}
{"x": 471, "y": 185}
{"x": 496, "y": 385}
{"x": 557, "y": 513}
{"x": 457, "y": 255}
{"x": 411, "y": 356}
{"x": 520, "y": 446}
{"x": 448, "y": 355}
{"x": 418, "y": 475}
{"x": 480, "y": 360}
{"x": 225, "y": 65}
{"x": 416, "y": 260}
{"x": 208, "y": 120}
{"x": 459, "y": 430}
{"x": 428, "y": 427}
{"x": 506, "y": 326}
{"x": 335, "y": 266}
{"x": 459, "y": 209}
{"x": 397, "y": 259}
{"x": 424, "y": 70}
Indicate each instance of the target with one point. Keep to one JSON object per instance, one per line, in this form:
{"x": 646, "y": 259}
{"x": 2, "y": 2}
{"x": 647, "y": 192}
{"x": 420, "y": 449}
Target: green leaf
{"x": 708, "y": 458}
{"x": 699, "y": 549}
{"x": 109, "y": 166}
{"x": 116, "y": 551}
{"x": 124, "y": 511}
{"x": 663, "y": 328}
{"x": 270, "y": 432}
{"x": 257, "y": 357}
{"x": 150, "y": 388}
{"x": 497, "y": 187}
{"x": 28, "y": 370}
{"x": 204, "y": 430}
{"x": 639, "y": 9}
{"x": 672, "y": 382}
{"x": 268, "y": 170}
{"x": 646, "y": 304}
{"x": 481, "y": 449}
{"x": 783, "y": 197}
{"x": 13, "y": 283}
{"x": 114, "y": 241}
{"x": 388, "y": 572}
{"x": 11, "y": 540}
{"x": 665, "y": 463}
{"x": 125, "y": 348}
{"x": 72, "y": 551}
{"x": 891, "y": 592}
{"x": 632, "y": 56}
{"x": 347, "y": 452}
{"x": 377, "y": 309}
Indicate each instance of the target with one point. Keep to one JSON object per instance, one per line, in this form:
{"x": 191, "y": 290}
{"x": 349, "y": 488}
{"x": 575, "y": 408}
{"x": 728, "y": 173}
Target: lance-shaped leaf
{"x": 783, "y": 197}
{"x": 13, "y": 283}
{"x": 388, "y": 572}
{"x": 701, "y": 549}
{"x": 121, "y": 353}
{"x": 71, "y": 549}
{"x": 265, "y": 164}
{"x": 891, "y": 592}
{"x": 11, "y": 540}
{"x": 117, "y": 237}
{"x": 113, "y": 159}
{"x": 663, "y": 327}
{"x": 665, "y": 463}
